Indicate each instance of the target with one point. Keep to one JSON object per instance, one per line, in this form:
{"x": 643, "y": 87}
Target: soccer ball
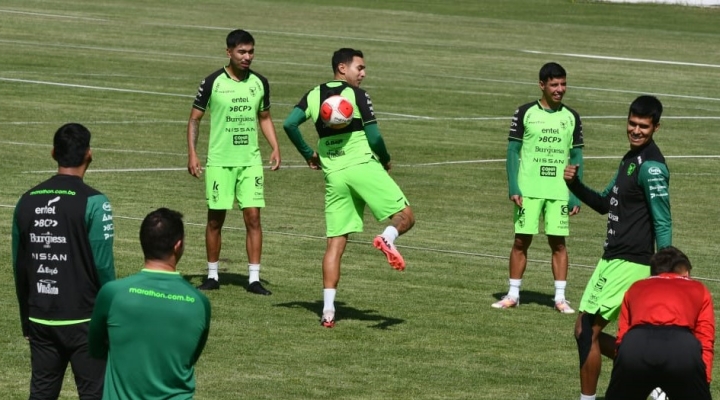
{"x": 336, "y": 112}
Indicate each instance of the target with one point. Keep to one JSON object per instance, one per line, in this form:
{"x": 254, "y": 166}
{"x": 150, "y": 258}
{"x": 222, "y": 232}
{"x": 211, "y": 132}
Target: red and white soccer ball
{"x": 336, "y": 112}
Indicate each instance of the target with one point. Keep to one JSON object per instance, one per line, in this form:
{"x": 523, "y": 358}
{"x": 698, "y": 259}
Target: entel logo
{"x": 654, "y": 171}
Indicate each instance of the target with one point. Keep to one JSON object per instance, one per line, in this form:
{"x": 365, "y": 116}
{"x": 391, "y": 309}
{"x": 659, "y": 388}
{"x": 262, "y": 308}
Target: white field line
{"x": 629, "y": 59}
{"x": 137, "y": 91}
{"x": 418, "y": 248}
{"x": 284, "y": 166}
{"x": 36, "y": 14}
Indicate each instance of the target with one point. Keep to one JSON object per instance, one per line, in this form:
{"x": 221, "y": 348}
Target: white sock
{"x": 253, "y": 272}
{"x": 390, "y": 234}
{"x": 514, "y": 291}
{"x": 213, "y": 270}
{"x": 560, "y": 290}
{"x": 587, "y": 397}
{"x": 329, "y": 299}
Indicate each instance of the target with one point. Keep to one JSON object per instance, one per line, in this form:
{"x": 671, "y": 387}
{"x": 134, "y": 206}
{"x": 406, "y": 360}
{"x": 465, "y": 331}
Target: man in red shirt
{"x": 666, "y": 334}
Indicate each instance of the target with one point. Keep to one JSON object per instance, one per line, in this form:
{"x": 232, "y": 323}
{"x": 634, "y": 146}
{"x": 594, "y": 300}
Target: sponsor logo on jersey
{"x": 241, "y": 140}
{"x": 49, "y": 257}
{"x": 47, "y": 238}
{"x": 548, "y": 170}
{"x": 47, "y": 286}
{"x": 44, "y": 269}
{"x": 106, "y": 206}
{"x": 654, "y": 171}
{"x": 45, "y": 223}
{"x": 107, "y": 217}
{"x": 108, "y": 227}
{"x": 631, "y": 169}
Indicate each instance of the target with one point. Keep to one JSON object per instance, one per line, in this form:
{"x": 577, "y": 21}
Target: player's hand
{"x": 570, "y": 173}
{"x": 314, "y": 162}
{"x": 275, "y": 160}
{"x": 517, "y": 199}
{"x": 387, "y": 166}
{"x": 194, "y": 167}
{"x": 575, "y": 211}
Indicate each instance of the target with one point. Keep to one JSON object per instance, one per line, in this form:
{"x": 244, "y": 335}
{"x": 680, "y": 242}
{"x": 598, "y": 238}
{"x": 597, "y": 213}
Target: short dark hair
{"x": 647, "y": 106}
{"x": 669, "y": 259}
{"x": 238, "y": 37}
{"x": 159, "y": 232}
{"x": 551, "y": 70}
{"x": 344, "y": 56}
{"x": 70, "y": 144}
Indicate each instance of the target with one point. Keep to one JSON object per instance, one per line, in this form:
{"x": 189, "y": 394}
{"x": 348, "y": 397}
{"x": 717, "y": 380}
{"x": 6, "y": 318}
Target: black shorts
{"x": 668, "y": 357}
{"x": 51, "y": 349}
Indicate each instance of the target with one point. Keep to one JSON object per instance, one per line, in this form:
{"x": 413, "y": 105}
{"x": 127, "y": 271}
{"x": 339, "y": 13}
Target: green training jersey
{"x": 348, "y": 146}
{"x": 547, "y": 136}
{"x": 234, "y": 107}
{"x": 152, "y": 326}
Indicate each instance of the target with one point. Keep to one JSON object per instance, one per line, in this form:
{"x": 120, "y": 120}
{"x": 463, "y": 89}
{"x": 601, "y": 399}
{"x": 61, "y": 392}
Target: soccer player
{"x": 637, "y": 202}
{"x": 356, "y": 166}
{"x": 62, "y": 246}
{"x": 544, "y": 135}
{"x": 666, "y": 334}
{"x": 151, "y": 326}
{"x": 238, "y": 99}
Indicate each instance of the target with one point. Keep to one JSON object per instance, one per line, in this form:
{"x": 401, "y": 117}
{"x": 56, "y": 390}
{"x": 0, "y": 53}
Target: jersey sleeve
{"x": 578, "y": 139}
{"x": 654, "y": 178}
{"x": 376, "y": 142}
{"x": 365, "y": 106}
{"x": 512, "y": 167}
{"x": 596, "y": 201}
{"x": 98, "y": 339}
{"x": 20, "y": 275}
{"x": 101, "y": 234}
{"x": 202, "y": 98}
{"x": 266, "y": 96}
{"x": 517, "y": 125}
{"x": 204, "y": 336}
{"x": 705, "y": 332}
{"x": 291, "y": 126}
{"x": 624, "y": 320}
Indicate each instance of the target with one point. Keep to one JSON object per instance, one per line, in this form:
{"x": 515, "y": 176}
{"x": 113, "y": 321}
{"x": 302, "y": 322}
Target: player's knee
{"x": 583, "y": 336}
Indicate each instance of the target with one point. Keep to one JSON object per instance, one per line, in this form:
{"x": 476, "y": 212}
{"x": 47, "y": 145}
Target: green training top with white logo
{"x": 348, "y": 146}
{"x": 152, "y": 327}
{"x": 234, "y": 107}
{"x": 547, "y": 136}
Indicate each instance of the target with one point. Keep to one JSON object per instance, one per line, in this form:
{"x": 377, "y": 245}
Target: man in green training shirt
{"x": 151, "y": 326}
{"x": 238, "y": 100}
{"x": 544, "y": 135}
{"x": 356, "y": 165}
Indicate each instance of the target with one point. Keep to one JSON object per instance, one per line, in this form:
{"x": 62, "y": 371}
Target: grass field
{"x": 445, "y": 78}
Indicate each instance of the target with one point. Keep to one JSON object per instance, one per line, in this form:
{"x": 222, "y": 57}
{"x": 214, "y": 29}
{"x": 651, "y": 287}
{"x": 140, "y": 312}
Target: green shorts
{"x": 347, "y": 191}
{"x": 224, "y": 184}
{"x": 554, "y": 213}
{"x": 606, "y": 288}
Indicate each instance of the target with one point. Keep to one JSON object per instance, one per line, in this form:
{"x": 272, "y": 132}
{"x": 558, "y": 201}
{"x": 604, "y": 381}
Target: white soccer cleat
{"x": 563, "y": 307}
{"x": 506, "y": 302}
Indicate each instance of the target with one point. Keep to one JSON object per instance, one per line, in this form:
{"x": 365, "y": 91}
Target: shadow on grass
{"x": 532, "y": 297}
{"x": 225, "y": 279}
{"x": 344, "y": 312}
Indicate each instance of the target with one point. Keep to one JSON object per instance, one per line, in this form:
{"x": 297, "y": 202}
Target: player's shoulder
{"x": 652, "y": 152}
{"x": 571, "y": 110}
{"x": 258, "y": 76}
{"x": 522, "y": 109}
{"x": 213, "y": 76}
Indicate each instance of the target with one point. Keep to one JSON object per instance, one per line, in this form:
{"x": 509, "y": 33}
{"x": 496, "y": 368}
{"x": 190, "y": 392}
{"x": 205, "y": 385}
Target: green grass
{"x": 445, "y": 78}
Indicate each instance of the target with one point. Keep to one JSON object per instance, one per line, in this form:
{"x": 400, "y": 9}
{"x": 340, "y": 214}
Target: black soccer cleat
{"x": 209, "y": 284}
{"x": 257, "y": 288}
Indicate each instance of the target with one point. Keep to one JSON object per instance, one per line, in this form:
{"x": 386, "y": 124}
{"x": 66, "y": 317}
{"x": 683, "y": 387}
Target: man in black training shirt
{"x": 62, "y": 246}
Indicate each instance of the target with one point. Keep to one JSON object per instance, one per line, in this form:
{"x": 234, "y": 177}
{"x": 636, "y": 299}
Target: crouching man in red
{"x": 666, "y": 334}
